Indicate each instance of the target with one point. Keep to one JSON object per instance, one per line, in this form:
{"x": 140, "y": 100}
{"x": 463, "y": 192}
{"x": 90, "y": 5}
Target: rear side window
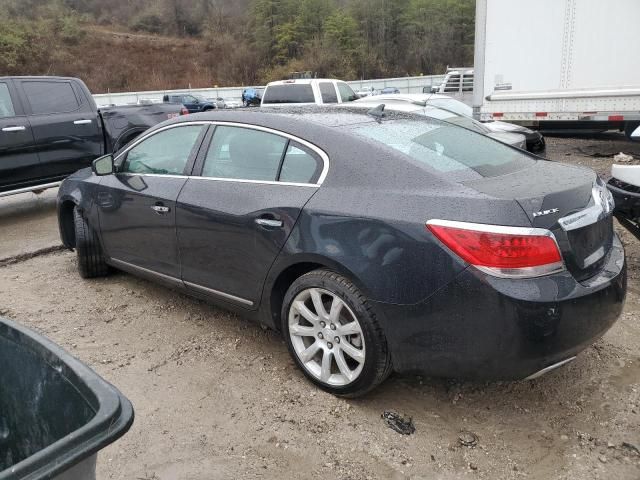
{"x": 328, "y": 92}
{"x": 300, "y": 165}
{"x": 289, "y": 93}
{"x": 444, "y": 148}
{"x": 6, "y": 105}
{"x": 244, "y": 154}
{"x": 165, "y": 153}
{"x": 50, "y": 97}
{"x": 346, "y": 92}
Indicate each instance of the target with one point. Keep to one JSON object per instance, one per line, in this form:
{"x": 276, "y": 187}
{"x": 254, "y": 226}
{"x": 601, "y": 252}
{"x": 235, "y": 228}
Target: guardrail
{"x": 404, "y": 84}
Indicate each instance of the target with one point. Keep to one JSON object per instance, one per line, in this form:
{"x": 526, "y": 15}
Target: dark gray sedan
{"x": 373, "y": 241}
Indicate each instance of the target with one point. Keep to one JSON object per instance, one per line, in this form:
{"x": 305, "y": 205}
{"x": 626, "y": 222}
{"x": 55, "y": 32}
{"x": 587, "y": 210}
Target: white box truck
{"x": 558, "y": 63}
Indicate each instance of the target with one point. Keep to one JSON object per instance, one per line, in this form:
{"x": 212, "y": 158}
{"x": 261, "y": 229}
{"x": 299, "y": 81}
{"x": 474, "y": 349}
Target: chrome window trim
{"x": 217, "y": 179}
{"x": 321, "y": 153}
{"x": 512, "y": 273}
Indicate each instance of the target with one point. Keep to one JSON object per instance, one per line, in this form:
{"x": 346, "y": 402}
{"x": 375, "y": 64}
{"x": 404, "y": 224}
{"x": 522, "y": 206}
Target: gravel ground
{"x": 217, "y": 397}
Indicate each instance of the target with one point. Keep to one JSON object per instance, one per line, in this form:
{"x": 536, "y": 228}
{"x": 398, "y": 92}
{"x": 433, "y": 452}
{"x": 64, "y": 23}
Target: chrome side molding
{"x": 178, "y": 282}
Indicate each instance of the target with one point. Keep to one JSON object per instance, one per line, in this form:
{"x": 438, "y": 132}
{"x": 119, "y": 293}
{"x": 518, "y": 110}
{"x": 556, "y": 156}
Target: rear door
{"x": 137, "y": 205}
{"x": 18, "y": 160}
{"x": 234, "y": 218}
{"x": 66, "y": 127}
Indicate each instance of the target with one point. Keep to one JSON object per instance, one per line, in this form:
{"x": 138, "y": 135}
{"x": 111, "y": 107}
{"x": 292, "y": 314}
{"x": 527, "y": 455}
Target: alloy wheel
{"x": 326, "y": 337}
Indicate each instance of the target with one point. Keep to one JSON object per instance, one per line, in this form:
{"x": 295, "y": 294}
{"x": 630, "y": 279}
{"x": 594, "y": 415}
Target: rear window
{"x": 289, "y": 93}
{"x": 444, "y": 148}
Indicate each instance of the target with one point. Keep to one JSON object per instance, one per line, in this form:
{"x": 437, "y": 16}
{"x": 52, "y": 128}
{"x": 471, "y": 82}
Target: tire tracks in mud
{"x": 23, "y": 257}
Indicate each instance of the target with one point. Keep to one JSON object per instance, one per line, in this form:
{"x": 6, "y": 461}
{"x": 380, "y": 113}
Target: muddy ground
{"x": 217, "y": 397}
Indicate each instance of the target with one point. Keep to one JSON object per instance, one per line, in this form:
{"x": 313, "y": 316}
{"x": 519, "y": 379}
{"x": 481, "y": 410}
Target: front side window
{"x": 50, "y": 97}
{"x": 244, "y": 154}
{"x": 165, "y": 153}
{"x": 6, "y": 105}
{"x": 346, "y": 92}
{"x": 328, "y": 92}
{"x": 289, "y": 93}
{"x": 300, "y": 165}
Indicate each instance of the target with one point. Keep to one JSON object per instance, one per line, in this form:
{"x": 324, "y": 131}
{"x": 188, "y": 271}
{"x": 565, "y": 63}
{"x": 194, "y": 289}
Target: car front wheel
{"x": 90, "y": 258}
{"x": 333, "y": 334}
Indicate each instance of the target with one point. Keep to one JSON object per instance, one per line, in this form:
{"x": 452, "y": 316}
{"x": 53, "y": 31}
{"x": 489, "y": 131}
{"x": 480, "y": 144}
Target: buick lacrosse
{"x": 373, "y": 241}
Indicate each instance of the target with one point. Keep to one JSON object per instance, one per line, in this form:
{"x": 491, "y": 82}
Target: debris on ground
{"x": 622, "y": 157}
{"x": 468, "y": 439}
{"x": 400, "y": 424}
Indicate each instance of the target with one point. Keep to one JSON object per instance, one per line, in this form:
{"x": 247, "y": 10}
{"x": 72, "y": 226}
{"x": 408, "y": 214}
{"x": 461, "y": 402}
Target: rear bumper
{"x": 484, "y": 327}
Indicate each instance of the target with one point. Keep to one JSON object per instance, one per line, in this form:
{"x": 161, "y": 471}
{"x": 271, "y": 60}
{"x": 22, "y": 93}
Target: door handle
{"x": 81, "y": 122}
{"x": 269, "y": 222}
{"x": 160, "y": 209}
{"x": 18, "y": 128}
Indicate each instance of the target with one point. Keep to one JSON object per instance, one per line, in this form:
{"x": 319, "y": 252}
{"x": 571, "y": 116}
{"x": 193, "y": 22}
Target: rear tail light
{"x": 184, "y": 111}
{"x": 508, "y": 252}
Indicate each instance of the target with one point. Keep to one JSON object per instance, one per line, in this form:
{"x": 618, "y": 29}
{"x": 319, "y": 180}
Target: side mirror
{"x": 434, "y": 89}
{"x": 103, "y": 165}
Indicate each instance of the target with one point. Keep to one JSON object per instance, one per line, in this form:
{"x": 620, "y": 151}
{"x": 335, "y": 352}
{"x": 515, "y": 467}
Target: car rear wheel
{"x": 333, "y": 334}
{"x": 90, "y": 258}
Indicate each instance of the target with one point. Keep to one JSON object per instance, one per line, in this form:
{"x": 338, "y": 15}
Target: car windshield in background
{"x": 458, "y": 153}
{"x": 452, "y": 105}
{"x": 289, "y": 93}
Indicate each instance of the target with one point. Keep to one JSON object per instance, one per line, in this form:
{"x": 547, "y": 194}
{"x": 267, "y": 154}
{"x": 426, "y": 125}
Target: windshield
{"x": 289, "y": 93}
{"x": 445, "y": 148}
{"x": 452, "y": 105}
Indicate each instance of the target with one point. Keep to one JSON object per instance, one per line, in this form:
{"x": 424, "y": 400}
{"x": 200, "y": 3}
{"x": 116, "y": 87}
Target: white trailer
{"x": 555, "y": 63}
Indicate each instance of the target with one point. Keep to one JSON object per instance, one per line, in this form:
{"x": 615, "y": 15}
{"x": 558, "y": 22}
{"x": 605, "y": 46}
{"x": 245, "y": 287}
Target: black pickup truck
{"x": 51, "y": 126}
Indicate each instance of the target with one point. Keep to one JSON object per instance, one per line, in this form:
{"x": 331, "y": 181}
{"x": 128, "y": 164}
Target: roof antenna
{"x": 377, "y": 113}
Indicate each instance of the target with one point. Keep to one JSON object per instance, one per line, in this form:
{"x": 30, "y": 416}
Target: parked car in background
{"x": 302, "y": 92}
{"x": 227, "y": 103}
{"x": 366, "y": 92}
{"x": 535, "y": 140}
{"x": 414, "y": 103}
{"x": 373, "y": 241}
{"x": 252, "y": 96}
{"x": 625, "y": 187}
{"x": 193, "y": 103}
{"x": 51, "y": 126}
{"x": 389, "y": 90}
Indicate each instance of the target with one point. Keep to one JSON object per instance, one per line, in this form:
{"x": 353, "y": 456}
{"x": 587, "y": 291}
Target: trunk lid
{"x": 570, "y": 201}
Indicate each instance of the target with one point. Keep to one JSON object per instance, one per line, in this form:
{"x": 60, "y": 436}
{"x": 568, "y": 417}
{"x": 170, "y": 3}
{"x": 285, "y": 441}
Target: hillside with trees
{"x": 122, "y": 45}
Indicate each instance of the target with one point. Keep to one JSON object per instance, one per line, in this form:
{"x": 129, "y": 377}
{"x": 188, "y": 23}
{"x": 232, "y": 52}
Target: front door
{"x": 18, "y": 159}
{"x": 137, "y": 205}
{"x": 66, "y": 126}
{"x": 233, "y": 220}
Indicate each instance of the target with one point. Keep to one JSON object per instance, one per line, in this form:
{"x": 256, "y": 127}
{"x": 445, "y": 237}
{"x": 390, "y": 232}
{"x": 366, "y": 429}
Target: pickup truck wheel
{"x": 90, "y": 257}
{"x": 333, "y": 334}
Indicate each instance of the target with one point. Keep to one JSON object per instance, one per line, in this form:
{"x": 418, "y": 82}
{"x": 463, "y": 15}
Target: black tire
{"x": 377, "y": 363}
{"x": 90, "y": 258}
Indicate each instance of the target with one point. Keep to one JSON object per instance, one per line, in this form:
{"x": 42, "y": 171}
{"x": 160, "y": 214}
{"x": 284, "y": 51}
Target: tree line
{"x": 251, "y": 41}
